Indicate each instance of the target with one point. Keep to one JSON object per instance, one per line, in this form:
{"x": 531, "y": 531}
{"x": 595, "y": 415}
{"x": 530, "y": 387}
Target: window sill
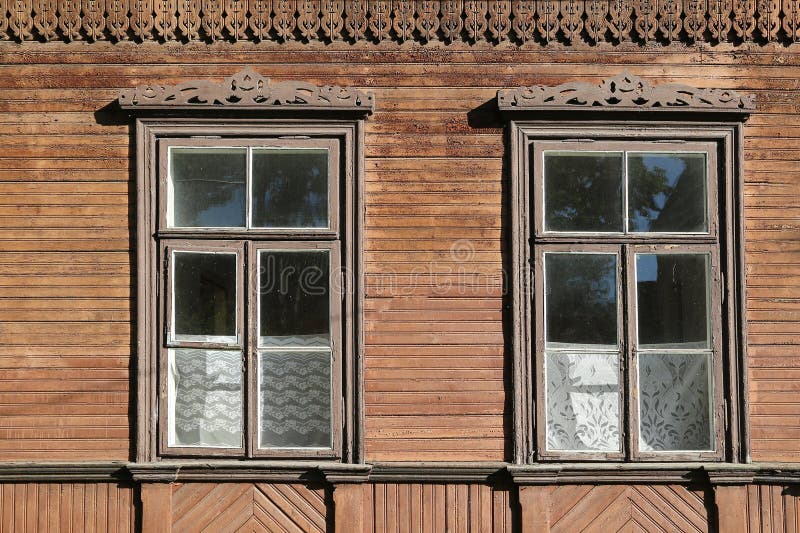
{"x": 227, "y": 470}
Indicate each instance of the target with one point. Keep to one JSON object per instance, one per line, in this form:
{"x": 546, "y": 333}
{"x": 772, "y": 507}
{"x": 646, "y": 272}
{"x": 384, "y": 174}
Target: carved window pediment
{"x": 624, "y": 92}
{"x": 247, "y": 90}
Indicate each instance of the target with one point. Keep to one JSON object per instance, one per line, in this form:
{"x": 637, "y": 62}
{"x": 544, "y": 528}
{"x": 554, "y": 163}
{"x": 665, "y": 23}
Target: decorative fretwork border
{"x": 518, "y": 21}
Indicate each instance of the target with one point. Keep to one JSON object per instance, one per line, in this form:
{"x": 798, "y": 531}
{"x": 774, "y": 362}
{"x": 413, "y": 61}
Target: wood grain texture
{"x": 232, "y": 507}
{"x": 66, "y": 508}
{"x": 436, "y": 377}
{"x": 627, "y": 508}
{"x": 772, "y": 508}
{"x": 427, "y": 508}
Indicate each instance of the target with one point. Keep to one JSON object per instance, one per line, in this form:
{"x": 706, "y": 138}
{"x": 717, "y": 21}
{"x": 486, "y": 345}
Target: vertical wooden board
{"x": 369, "y": 507}
{"x": 753, "y": 508}
{"x": 32, "y": 506}
{"x": 19, "y": 506}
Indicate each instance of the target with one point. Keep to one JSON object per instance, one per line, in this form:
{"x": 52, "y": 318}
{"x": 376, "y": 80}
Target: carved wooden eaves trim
{"x": 624, "y": 92}
{"x": 247, "y": 90}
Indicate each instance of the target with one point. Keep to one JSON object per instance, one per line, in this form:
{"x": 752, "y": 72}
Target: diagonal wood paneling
{"x": 66, "y": 508}
{"x": 627, "y": 508}
{"x": 231, "y": 507}
{"x": 404, "y": 507}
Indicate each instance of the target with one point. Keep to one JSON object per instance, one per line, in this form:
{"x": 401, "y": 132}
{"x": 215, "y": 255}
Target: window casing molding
{"x": 528, "y": 128}
{"x": 246, "y": 109}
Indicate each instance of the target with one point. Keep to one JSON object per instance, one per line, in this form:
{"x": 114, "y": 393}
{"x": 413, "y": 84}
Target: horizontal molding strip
{"x": 417, "y": 472}
{"x": 448, "y": 21}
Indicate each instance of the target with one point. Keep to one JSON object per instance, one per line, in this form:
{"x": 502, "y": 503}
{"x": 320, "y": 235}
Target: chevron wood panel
{"x": 773, "y": 509}
{"x": 405, "y": 507}
{"x": 231, "y": 507}
{"x": 66, "y": 508}
{"x": 627, "y": 508}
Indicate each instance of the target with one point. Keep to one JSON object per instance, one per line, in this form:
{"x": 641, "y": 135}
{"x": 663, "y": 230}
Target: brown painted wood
{"x": 431, "y": 171}
{"x": 45, "y": 507}
{"x": 348, "y": 504}
{"x": 731, "y": 502}
{"x": 156, "y": 507}
{"x": 534, "y": 501}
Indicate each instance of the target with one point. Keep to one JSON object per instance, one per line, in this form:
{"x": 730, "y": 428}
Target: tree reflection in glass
{"x": 583, "y": 191}
{"x": 667, "y": 192}
{"x": 208, "y": 187}
{"x": 581, "y": 305}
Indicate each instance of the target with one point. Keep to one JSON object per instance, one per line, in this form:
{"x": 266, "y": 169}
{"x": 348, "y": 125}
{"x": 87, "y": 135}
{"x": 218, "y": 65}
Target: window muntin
{"x": 250, "y": 391}
{"x": 604, "y": 397}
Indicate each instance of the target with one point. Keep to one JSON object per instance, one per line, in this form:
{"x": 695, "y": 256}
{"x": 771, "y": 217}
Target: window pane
{"x": 667, "y": 192}
{"x": 205, "y": 296}
{"x": 583, "y": 401}
{"x": 295, "y": 399}
{"x": 581, "y": 299}
{"x": 672, "y": 293}
{"x": 294, "y": 298}
{"x": 207, "y": 187}
{"x": 583, "y": 191}
{"x": 290, "y": 188}
{"x": 205, "y": 389}
{"x": 674, "y": 402}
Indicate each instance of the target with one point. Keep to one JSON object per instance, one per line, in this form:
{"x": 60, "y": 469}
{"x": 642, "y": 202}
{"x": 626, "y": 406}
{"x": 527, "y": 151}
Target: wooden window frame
{"x": 529, "y": 136}
{"x": 344, "y": 135}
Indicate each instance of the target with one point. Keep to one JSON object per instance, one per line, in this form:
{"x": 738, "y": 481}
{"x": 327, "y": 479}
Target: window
{"x": 626, "y": 255}
{"x": 257, "y": 364}
{"x": 249, "y": 322}
{"x": 627, "y": 275}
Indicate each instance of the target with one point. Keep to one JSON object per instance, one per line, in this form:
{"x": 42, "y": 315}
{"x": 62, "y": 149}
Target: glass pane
{"x": 583, "y": 402}
{"x": 295, "y": 399}
{"x": 667, "y": 192}
{"x": 205, "y": 297}
{"x": 583, "y": 191}
{"x": 294, "y": 299}
{"x": 208, "y": 187}
{"x": 290, "y": 188}
{"x": 581, "y": 300}
{"x": 672, "y": 300}
{"x": 674, "y": 402}
{"x": 205, "y": 388}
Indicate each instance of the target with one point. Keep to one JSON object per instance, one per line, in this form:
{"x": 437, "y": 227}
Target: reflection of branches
{"x": 584, "y": 193}
{"x": 581, "y": 298}
{"x": 645, "y": 187}
{"x": 664, "y": 204}
{"x": 224, "y": 172}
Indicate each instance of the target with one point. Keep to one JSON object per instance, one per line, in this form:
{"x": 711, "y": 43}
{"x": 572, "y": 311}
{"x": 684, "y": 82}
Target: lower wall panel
{"x": 404, "y": 507}
{"x": 390, "y": 507}
{"x": 66, "y": 508}
{"x": 228, "y": 507}
{"x": 773, "y": 509}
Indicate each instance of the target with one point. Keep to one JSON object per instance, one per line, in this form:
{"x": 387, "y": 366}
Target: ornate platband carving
{"x": 247, "y": 90}
{"x": 450, "y": 21}
{"x": 624, "y": 92}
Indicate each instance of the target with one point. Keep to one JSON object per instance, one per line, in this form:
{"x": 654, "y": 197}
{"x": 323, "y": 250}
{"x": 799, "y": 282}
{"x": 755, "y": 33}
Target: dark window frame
{"x": 344, "y": 237}
{"x": 731, "y": 407}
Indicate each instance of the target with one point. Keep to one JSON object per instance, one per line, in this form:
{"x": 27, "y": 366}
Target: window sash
{"x": 250, "y": 144}
{"x": 628, "y": 379}
{"x": 537, "y": 149}
{"x": 336, "y": 298}
{"x": 247, "y": 322}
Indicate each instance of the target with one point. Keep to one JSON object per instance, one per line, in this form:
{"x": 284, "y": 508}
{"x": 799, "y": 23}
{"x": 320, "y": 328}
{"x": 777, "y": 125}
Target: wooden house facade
{"x": 480, "y": 181}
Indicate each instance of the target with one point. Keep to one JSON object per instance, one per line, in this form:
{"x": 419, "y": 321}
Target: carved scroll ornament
{"x": 246, "y": 90}
{"x": 623, "y": 92}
